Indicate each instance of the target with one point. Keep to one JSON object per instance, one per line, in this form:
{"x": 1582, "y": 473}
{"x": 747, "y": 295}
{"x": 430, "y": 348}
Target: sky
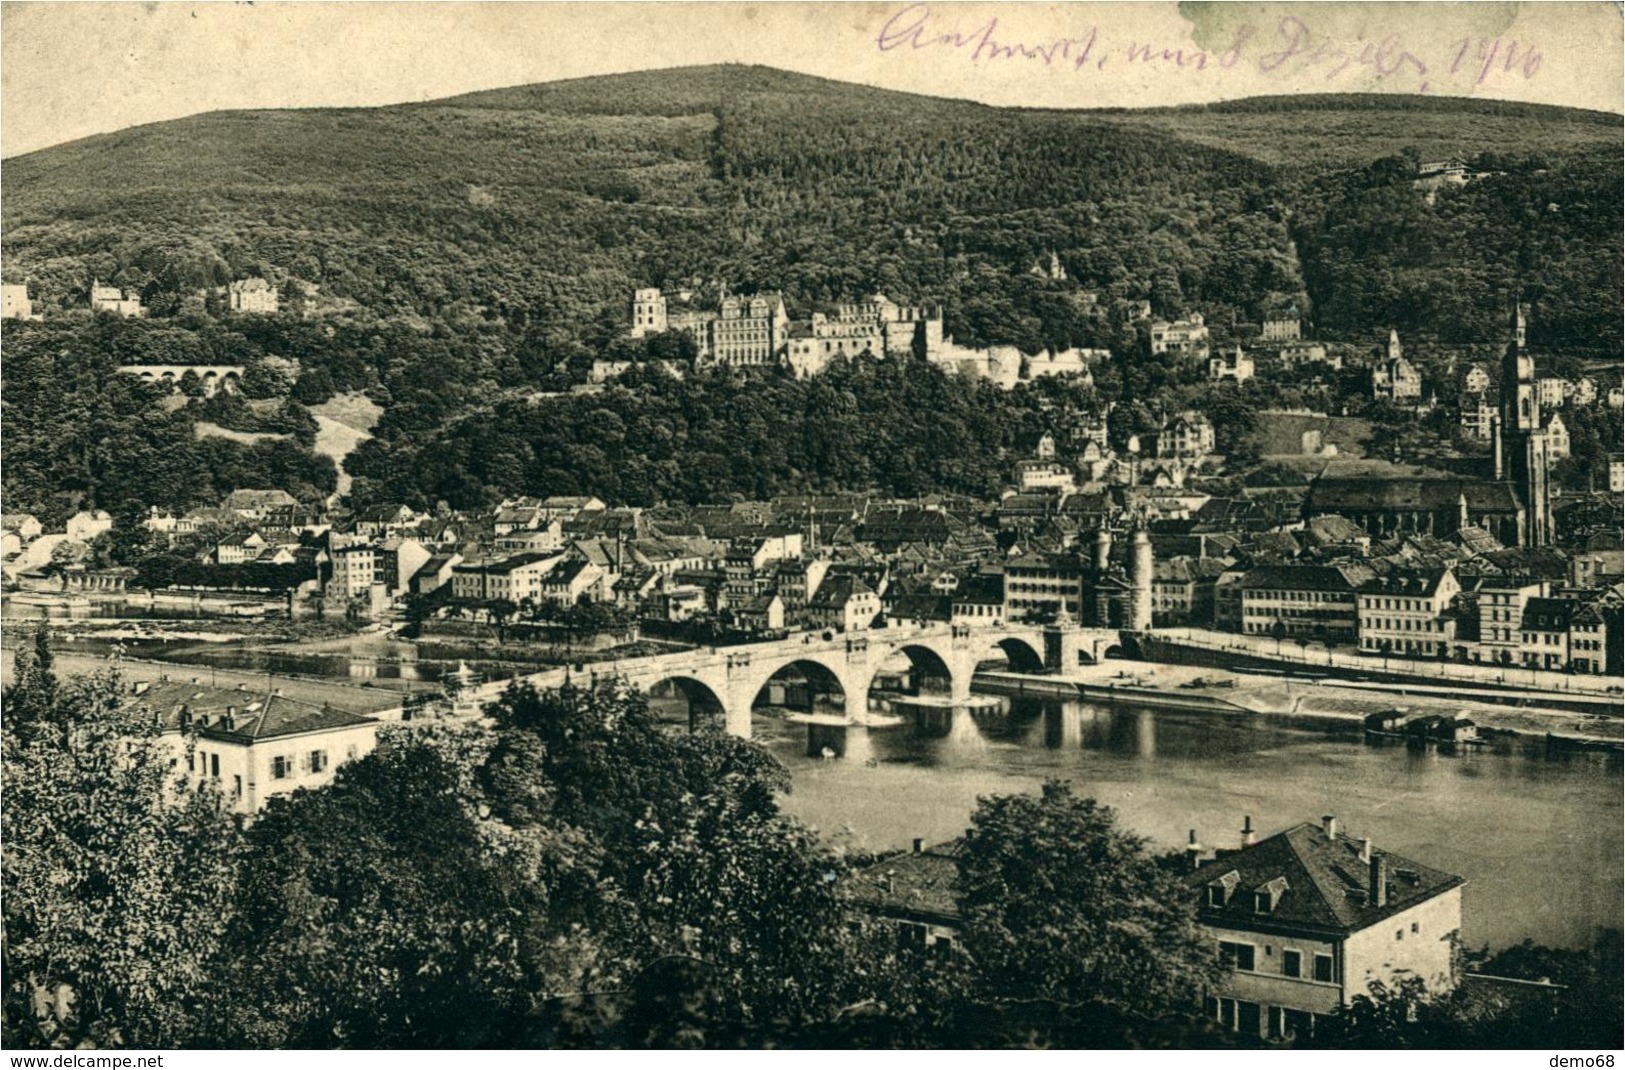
{"x": 68, "y": 70}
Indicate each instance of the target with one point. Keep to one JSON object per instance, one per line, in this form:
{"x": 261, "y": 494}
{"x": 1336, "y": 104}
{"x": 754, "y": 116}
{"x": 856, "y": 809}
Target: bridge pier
{"x": 736, "y": 713}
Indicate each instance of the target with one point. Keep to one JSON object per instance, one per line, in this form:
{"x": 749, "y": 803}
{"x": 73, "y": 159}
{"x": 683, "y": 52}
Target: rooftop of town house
{"x": 236, "y": 715}
{"x": 918, "y": 884}
{"x": 839, "y": 589}
{"x": 1417, "y": 583}
{"x": 1321, "y": 879}
{"x": 1303, "y": 578}
{"x": 1548, "y": 614}
{"x": 248, "y": 498}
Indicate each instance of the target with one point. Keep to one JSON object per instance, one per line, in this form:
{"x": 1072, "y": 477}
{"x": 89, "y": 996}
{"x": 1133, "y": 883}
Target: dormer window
{"x": 1220, "y": 890}
{"x": 1268, "y": 896}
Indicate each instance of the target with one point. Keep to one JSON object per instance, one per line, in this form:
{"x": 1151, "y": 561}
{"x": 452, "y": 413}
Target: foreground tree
{"x": 1061, "y": 905}
{"x": 117, "y": 880}
{"x": 709, "y": 898}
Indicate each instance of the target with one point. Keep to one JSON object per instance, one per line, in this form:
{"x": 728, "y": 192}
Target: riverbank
{"x": 1201, "y": 689}
{"x": 352, "y": 698}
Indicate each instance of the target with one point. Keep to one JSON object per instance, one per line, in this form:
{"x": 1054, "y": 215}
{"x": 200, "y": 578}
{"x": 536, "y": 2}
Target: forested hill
{"x": 482, "y": 246}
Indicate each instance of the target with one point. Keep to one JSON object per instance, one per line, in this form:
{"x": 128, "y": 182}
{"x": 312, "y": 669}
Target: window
{"x": 1236, "y": 956}
{"x": 1292, "y": 963}
{"x": 236, "y": 787}
{"x": 318, "y": 761}
{"x": 1323, "y": 968}
{"x": 1416, "y": 926}
{"x": 281, "y": 767}
{"x": 1215, "y": 895}
{"x": 214, "y": 765}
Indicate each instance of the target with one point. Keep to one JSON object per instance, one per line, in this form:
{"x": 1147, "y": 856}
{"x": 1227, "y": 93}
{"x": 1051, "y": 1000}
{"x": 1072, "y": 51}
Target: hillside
{"x": 456, "y": 251}
{"x": 1313, "y": 133}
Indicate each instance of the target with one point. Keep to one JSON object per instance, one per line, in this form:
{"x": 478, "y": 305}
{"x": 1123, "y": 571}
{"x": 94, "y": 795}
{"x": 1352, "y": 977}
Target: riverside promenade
{"x": 1167, "y": 644}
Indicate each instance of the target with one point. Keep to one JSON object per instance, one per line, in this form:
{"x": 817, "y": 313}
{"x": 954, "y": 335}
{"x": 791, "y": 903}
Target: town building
{"x": 1552, "y": 391}
{"x": 1593, "y": 640}
{"x": 111, "y": 299}
{"x": 15, "y": 303}
{"x": 571, "y": 582}
{"x": 1478, "y": 416}
{"x": 1477, "y": 380}
{"x": 1187, "y": 437}
{"x": 26, "y": 525}
{"x": 1405, "y": 613}
{"x": 1236, "y": 367}
{"x": 254, "y": 745}
{"x": 914, "y": 895}
{"x": 434, "y": 573}
{"x": 1501, "y": 605}
{"x": 1557, "y": 439}
{"x": 251, "y": 504}
{"x": 979, "y": 600}
{"x": 1305, "y": 601}
{"x": 1395, "y": 379}
{"x": 1302, "y": 354}
{"x": 86, "y": 524}
{"x": 1545, "y": 632}
{"x": 844, "y": 603}
{"x": 1286, "y": 326}
{"x": 1181, "y": 338}
{"x": 253, "y": 295}
{"x": 1311, "y": 917}
{"x": 1044, "y": 585}
{"x": 511, "y": 579}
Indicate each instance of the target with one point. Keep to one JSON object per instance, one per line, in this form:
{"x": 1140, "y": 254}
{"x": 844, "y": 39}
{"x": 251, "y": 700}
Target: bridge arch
{"x": 1022, "y": 653}
{"x": 800, "y": 683}
{"x": 686, "y": 700}
{"x": 918, "y": 668}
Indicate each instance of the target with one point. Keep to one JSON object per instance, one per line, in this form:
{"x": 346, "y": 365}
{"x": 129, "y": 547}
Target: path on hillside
{"x": 343, "y": 423}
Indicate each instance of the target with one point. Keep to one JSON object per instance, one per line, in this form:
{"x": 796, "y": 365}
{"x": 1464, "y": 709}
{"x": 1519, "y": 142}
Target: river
{"x": 1537, "y": 837}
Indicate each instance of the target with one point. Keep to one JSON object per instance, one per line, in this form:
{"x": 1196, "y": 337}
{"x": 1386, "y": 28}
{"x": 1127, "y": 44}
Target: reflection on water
{"x": 1537, "y": 836}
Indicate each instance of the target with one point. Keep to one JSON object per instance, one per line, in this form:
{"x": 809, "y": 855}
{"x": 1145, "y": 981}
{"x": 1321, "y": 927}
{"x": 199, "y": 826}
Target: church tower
{"x": 1523, "y": 445}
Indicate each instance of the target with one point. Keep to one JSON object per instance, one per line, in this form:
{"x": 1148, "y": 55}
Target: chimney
{"x": 1247, "y": 839}
{"x": 1193, "y": 852}
{"x": 1378, "y": 896}
{"x": 277, "y": 691}
{"x": 919, "y": 845}
{"x": 1329, "y": 825}
{"x": 197, "y": 680}
{"x": 1365, "y": 849}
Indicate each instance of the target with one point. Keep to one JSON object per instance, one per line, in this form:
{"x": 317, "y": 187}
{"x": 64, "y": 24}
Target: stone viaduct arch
{"x": 212, "y": 377}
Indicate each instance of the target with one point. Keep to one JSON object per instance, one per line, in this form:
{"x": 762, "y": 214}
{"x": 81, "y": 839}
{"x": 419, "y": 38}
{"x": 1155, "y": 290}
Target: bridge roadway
{"x": 730, "y": 679}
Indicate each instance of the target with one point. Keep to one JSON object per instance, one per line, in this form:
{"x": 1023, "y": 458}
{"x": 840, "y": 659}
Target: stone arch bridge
{"x": 943, "y": 656}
